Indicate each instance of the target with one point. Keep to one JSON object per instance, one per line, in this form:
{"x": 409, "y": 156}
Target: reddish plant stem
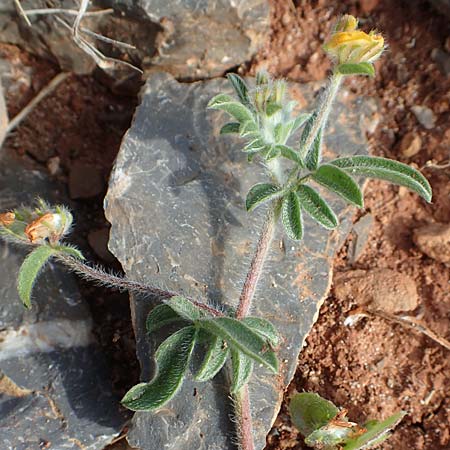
{"x": 256, "y": 266}
{"x": 243, "y": 411}
{"x": 103, "y": 278}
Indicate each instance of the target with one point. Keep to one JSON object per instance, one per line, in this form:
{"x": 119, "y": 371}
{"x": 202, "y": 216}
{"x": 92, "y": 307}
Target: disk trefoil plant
{"x": 263, "y": 117}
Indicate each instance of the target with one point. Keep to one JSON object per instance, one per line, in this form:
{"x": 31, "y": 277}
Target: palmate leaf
{"x": 29, "y": 272}
{"x": 310, "y": 412}
{"x": 386, "y": 169}
{"x": 241, "y": 337}
{"x": 229, "y": 128}
{"x": 214, "y": 359}
{"x": 261, "y": 193}
{"x": 291, "y": 216}
{"x": 363, "y": 68}
{"x": 264, "y": 328}
{"x": 337, "y": 181}
{"x": 314, "y": 155}
{"x": 242, "y": 368}
{"x": 317, "y": 207}
{"x": 228, "y": 104}
{"x": 172, "y": 359}
{"x": 240, "y": 88}
{"x": 376, "y": 432}
{"x": 160, "y": 316}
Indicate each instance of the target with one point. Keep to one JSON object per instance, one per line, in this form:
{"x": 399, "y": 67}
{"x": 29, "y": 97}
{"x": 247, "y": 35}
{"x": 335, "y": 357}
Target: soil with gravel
{"x": 373, "y": 367}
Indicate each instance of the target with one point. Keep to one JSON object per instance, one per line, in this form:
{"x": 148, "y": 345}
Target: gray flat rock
{"x": 55, "y": 389}
{"x": 188, "y": 38}
{"x": 176, "y": 205}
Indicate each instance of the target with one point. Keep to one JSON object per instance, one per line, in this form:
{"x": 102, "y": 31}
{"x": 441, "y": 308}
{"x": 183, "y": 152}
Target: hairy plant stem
{"x": 323, "y": 111}
{"x": 103, "y": 278}
{"x": 242, "y": 400}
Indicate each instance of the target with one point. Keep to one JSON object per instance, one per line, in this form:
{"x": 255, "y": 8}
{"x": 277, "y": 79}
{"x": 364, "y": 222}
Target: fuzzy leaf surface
{"x": 376, "y": 432}
{"x": 314, "y": 155}
{"x": 337, "y": 181}
{"x": 160, "y": 316}
{"x": 264, "y": 328}
{"x": 363, "y": 68}
{"x": 214, "y": 359}
{"x": 231, "y": 127}
{"x": 310, "y": 412}
{"x": 317, "y": 207}
{"x": 184, "y": 308}
{"x": 228, "y": 104}
{"x": 261, "y": 193}
{"x": 71, "y": 251}
{"x": 386, "y": 169}
{"x": 240, "y": 87}
{"x": 172, "y": 359}
{"x": 29, "y": 271}
{"x": 241, "y": 337}
{"x": 305, "y": 133}
{"x": 242, "y": 368}
{"x": 291, "y": 216}
{"x": 290, "y": 153}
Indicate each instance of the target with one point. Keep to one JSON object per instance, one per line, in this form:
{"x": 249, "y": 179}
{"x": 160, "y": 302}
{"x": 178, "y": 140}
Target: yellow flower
{"x": 51, "y": 226}
{"x": 7, "y": 218}
{"x": 348, "y": 45}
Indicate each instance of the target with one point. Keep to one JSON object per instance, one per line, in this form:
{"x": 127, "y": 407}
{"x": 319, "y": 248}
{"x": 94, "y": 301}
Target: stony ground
{"x": 376, "y": 366}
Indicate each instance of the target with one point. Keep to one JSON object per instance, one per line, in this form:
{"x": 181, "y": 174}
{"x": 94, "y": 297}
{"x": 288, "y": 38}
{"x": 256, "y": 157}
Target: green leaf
{"x": 243, "y": 338}
{"x": 186, "y": 309}
{"x": 240, "y": 88}
{"x": 160, "y": 316}
{"x": 232, "y": 127}
{"x": 386, "y": 169}
{"x": 272, "y": 152}
{"x": 172, "y": 360}
{"x": 289, "y": 153}
{"x": 376, "y": 432}
{"x": 29, "y": 272}
{"x": 272, "y": 108}
{"x": 291, "y": 216}
{"x": 364, "y": 68}
{"x": 261, "y": 193}
{"x": 264, "y": 328}
{"x": 254, "y": 146}
{"x": 330, "y": 436}
{"x": 242, "y": 368}
{"x": 249, "y": 129}
{"x": 317, "y": 207}
{"x": 299, "y": 121}
{"x": 310, "y": 412}
{"x": 305, "y": 133}
{"x": 214, "y": 359}
{"x": 228, "y": 104}
{"x": 71, "y": 251}
{"x": 314, "y": 155}
{"x": 337, "y": 181}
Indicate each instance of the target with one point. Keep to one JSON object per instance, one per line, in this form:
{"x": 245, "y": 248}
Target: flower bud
{"x": 347, "y": 45}
{"x": 50, "y": 226}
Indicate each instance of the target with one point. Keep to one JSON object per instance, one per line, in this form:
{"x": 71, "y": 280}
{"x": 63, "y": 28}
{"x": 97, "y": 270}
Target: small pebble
{"x": 410, "y": 144}
{"x": 425, "y": 116}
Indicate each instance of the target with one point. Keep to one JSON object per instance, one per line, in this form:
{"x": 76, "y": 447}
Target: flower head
{"x": 348, "y": 45}
{"x": 7, "y": 218}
